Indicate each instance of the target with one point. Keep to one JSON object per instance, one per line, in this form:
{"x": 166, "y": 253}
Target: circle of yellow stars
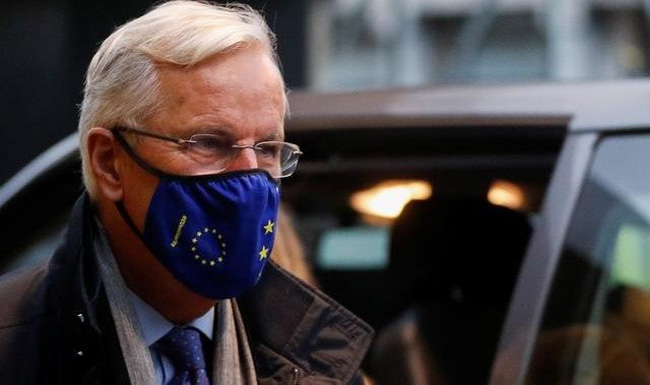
{"x": 268, "y": 229}
{"x": 207, "y": 261}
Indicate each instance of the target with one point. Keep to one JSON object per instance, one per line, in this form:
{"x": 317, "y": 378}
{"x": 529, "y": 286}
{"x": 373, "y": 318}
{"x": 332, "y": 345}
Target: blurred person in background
{"x": 288, "y": 250}
{"x": 163, "y": 275}
{"x": 453, "y": 265}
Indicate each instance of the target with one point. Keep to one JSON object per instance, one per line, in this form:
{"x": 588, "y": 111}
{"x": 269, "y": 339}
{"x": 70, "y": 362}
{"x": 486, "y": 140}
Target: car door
{"x": 581, "y": 309}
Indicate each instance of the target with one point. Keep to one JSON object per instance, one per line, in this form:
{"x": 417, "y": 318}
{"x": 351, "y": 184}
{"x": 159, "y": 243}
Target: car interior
{"x": 356, "y": 257}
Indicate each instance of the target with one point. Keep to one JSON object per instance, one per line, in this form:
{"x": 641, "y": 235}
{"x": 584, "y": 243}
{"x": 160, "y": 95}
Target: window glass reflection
{"x": 596, "y": 325}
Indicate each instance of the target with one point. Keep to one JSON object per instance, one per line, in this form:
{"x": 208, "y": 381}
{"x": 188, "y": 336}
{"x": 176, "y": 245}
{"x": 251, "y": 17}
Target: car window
{"x": 354, "y": 248}
{"x": 596, "y": 324}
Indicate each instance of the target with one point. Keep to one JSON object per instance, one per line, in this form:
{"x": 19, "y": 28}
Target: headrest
{"x": 457, "y": 248}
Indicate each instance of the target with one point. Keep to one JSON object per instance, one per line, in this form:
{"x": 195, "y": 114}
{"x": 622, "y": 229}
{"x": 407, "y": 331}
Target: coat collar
{"x": 305, "y": 326}
{"x": 75, "y": 287}
{"x": 73, "y": 271}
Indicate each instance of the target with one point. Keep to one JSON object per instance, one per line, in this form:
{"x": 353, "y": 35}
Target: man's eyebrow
{"x": 218, "y": 130}
{"x": 276, "y": 135}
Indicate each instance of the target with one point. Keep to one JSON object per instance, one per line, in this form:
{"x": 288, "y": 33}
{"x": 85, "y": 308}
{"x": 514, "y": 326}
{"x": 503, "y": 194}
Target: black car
{"x": 538, "y": 271}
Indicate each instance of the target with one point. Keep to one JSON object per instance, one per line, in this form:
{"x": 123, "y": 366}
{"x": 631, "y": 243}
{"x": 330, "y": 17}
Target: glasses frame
{"x": 187, "y": 142}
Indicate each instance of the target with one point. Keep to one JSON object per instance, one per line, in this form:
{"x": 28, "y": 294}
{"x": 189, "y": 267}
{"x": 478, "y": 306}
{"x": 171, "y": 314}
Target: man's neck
{"x": 154, "y": 325}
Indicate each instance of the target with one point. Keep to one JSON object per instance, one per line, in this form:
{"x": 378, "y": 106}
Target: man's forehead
{"x": 224, "y": 65}
{"x": 248, "y": 70}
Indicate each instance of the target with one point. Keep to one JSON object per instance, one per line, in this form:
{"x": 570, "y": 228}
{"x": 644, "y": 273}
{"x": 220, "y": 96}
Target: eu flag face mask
{"x": 214, "y": 233}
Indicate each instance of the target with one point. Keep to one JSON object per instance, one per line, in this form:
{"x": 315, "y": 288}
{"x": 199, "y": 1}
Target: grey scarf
{"x": 232, "y": 363}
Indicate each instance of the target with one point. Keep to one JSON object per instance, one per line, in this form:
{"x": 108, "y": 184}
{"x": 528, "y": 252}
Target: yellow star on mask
{"x": 264, "y": 252}
{"x": 269, "y": 227}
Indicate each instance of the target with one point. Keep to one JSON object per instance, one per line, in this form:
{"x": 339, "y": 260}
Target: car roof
{"x": 578, "y": 105}
{"x": 63, "y": 152}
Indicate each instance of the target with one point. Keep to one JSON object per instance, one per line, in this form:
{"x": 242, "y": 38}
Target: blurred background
{"x": 327, "y": 45}
{"x": 448, "y": 150}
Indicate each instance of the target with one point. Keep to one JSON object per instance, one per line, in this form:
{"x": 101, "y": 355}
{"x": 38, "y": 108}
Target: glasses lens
{"x": 278, "y": 158}
{"x": 210, "y": 149}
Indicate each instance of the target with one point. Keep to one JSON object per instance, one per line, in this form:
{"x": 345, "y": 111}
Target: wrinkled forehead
{"x": 243, "y": 88}
{"x": 252, "y": 69}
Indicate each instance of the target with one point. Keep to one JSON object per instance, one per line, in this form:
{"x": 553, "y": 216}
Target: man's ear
{"x": 104, "y": 163}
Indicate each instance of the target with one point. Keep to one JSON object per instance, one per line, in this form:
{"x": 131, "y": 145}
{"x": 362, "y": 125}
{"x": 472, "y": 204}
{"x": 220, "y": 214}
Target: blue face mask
{"x": 214, "y": 233}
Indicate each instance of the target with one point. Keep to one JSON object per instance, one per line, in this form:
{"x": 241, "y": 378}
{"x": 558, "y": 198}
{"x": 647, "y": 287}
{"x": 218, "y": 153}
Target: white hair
{"x": 122, "y": 86}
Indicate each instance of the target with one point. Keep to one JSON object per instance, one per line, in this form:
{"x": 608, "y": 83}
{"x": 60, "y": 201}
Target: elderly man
{"x": 163, "y": 276}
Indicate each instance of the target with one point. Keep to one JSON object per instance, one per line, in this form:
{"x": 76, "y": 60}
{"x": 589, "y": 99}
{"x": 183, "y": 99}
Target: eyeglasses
{"x": 280, "y": 159}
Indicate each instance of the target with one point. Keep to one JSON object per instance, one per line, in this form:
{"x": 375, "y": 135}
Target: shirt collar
{"x": 154, "y": 325}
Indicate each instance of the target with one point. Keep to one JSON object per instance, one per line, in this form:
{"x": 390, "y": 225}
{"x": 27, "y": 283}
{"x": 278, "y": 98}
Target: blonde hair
{"x": 122, "y": 86}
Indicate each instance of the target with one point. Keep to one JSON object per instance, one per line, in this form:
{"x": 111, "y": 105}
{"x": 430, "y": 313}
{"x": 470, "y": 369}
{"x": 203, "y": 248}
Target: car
{"x": 568, "y": 158}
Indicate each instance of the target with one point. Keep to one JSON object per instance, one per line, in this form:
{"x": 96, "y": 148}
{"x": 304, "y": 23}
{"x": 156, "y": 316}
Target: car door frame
{"x": 526, "y": 309}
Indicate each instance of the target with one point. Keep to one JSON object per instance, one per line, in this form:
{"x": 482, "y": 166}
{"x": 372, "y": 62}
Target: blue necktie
{"x": 183, "y": 347}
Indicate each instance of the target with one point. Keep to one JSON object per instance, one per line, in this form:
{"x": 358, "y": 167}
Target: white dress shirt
{"x": 154, "y": 326}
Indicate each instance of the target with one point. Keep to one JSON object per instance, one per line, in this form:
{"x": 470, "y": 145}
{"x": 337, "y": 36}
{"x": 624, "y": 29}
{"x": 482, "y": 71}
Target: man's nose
{"x": 244, "y": 159}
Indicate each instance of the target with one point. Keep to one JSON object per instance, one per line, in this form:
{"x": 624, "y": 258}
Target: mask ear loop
{"x": 120, "y": 204}
{"x": 129, "y": 221}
